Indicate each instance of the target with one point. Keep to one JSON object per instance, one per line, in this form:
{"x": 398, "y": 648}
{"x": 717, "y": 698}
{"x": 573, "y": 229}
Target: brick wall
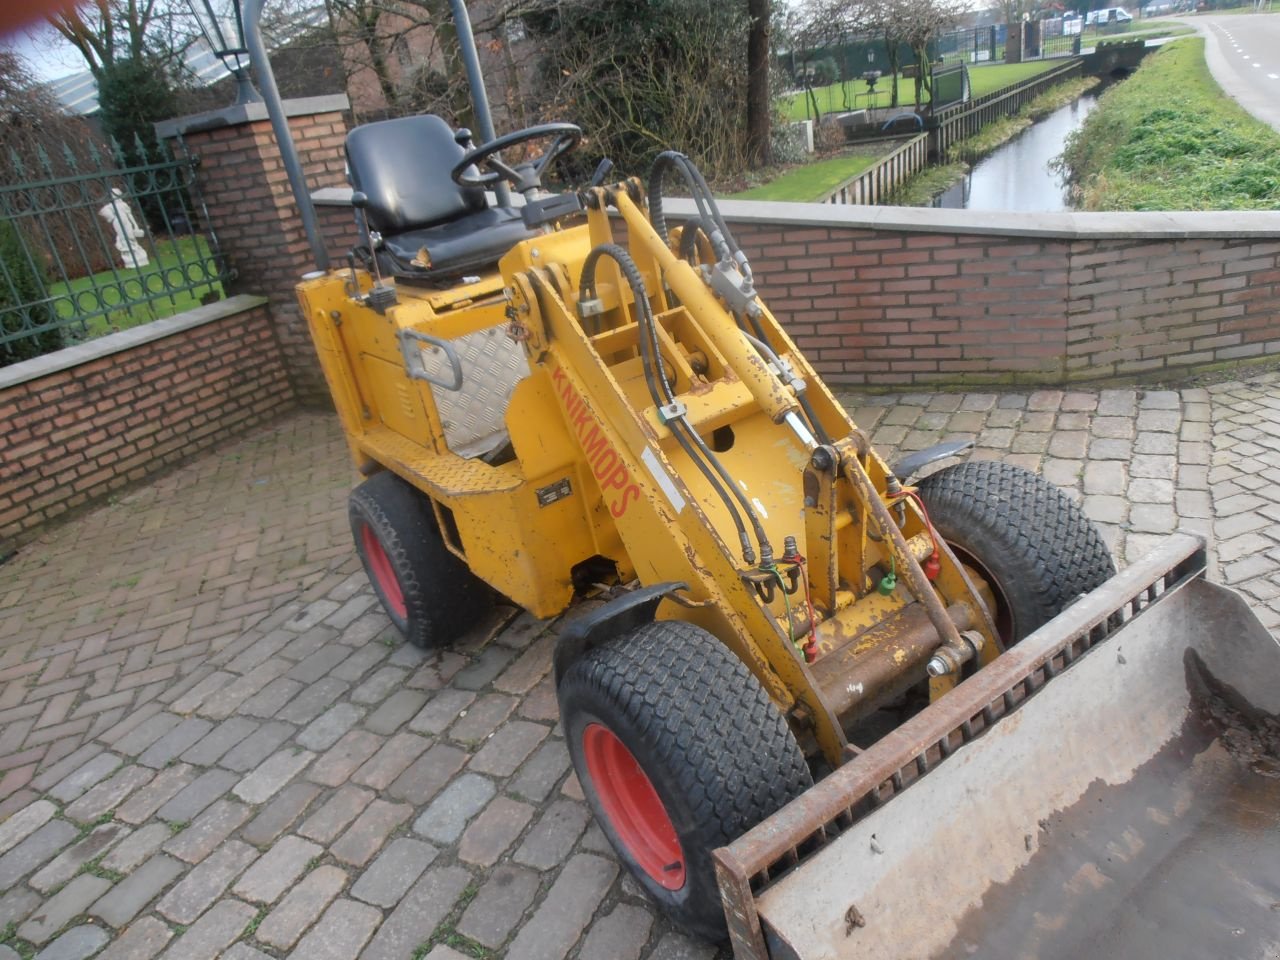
{"x": 988, "y": 300}
{"x": 142, "y": 401}
{"x": 251, "y": 207}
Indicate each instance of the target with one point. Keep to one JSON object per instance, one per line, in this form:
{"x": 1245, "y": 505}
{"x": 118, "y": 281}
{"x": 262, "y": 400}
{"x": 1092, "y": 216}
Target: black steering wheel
{"x": 524, "y": 176}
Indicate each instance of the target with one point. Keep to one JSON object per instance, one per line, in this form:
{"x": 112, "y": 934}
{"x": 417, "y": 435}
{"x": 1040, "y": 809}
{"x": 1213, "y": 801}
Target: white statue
{"x": 120, "y": 216}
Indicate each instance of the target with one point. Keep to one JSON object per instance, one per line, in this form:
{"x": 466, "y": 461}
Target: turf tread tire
{"x": 717, "y": 750}
{"x": 442, "y": 596}
{"x": 1032, "y": 537}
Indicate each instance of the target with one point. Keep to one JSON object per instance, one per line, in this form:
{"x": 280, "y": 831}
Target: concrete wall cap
{"x": 248, "y": 113}
{"x": 81, "y": 353}
{"x": 1050, "y": 226}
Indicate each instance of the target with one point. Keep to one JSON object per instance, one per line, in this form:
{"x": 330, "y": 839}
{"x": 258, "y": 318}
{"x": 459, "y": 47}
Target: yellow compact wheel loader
{"x": 825, "y": 710}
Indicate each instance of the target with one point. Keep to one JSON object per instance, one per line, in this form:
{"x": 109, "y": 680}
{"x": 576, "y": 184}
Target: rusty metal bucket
{"x": 1107, "y": 788}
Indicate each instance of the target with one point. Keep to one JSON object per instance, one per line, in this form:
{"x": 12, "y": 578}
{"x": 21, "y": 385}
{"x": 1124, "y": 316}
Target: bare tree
{"x": 106, "y": 32}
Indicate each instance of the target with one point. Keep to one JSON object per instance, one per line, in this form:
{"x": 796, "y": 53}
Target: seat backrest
{"x": 403, "y": 167}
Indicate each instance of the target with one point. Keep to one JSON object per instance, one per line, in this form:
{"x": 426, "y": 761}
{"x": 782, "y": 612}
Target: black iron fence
{"x": 96, "y": 239}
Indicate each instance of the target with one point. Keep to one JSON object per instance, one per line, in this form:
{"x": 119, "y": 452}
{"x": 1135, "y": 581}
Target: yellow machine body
{"x": 594, "y": 471}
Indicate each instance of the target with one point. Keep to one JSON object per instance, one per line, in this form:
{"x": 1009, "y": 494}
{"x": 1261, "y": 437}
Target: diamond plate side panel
{"x": 492, "y": 365}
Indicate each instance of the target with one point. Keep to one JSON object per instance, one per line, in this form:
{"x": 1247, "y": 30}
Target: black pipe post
{"x": 280, "y": 126}
{"x": 475, "y": 80}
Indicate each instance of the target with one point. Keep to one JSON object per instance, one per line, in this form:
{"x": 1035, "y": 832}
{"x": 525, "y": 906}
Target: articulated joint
{"x": 950, "y": 657}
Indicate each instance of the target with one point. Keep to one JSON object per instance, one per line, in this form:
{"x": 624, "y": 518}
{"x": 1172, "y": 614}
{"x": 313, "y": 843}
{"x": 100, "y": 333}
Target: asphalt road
{"x": 1243, "y": 53}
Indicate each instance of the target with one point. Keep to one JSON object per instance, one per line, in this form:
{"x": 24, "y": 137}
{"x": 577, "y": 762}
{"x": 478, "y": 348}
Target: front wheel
{"x": 1032, "y": 543}
{"x": 679, "y": 750}
{"x": 430, "y": 595}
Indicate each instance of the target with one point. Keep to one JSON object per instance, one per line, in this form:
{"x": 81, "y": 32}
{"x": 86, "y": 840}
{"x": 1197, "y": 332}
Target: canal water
{"x": 1017, "y": 176}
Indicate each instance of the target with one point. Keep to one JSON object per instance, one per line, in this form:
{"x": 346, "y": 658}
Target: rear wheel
{"x": 430, "y": 595}
{"x": 679, "y": 751}
{"x": 1029, "y": 540}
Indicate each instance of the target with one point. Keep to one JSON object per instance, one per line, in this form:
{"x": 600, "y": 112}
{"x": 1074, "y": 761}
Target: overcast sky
{"x": 49, "y": 56}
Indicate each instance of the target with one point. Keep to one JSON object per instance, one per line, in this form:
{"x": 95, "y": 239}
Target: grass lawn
{"x": 982, "y": 80}
{"x": 1168, "y": 139}
{"x": 175, "y": 280}
{"x": 812, "y": 181}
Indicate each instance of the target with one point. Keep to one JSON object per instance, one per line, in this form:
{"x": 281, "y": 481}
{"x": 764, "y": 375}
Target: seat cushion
{"x": 471, "y": 242}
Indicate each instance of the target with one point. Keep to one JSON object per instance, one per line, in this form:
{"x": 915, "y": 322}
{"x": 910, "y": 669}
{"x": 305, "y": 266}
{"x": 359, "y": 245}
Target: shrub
{"x": 22, "y": 302}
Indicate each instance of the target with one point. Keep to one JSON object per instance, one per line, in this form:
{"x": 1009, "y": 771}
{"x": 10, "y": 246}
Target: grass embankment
{"x": 839, "y": 98}
{"x": 924, "y": 186}
{"x": 812, "y": 181}
{"x": 1169, "y": 139}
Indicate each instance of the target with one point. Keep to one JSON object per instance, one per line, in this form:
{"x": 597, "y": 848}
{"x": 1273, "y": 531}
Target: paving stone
{"x": 178, "y": 740}
{"x": 257, "y": 746}
{"x": 206, "y": 883}
{"x": 484, "y": 669}
{"x": 541, "y": 772}
{"x": 390, "y": 760}
{"x": 421, "y": 911}
{"x": 65, "y": 905}
{"x": 356, "y": 665}
{"x": 78, "y": 943}
{"x": 128, "y": 897}
{"x": 212, "y": 933}
{"x": 313, "y": 701}
{"x": 282, "y": 927}
{"x": 500, "y": 905}
{"x": 271, "y": 698}
{"x": 325, "y": 730}
{"x": 529, "y": 668}
{"x": 343, "y": 930}
{"x": 1153, "y": 467}
{"x": 317, "y": 664}
{"x": 24, "y": 823}
{"x": 336, "y": 813}
{"x": 676, "y": 946}
{"x": 427, "y": 775}
{"x": 62, "y": 767}
{"x": 76, "y": 783}
{"x": 37, "y": 849}
{"x": 1105, "y": 477}
{"x": 508, "y": 748}
{"x": 384, "y": 682}
{"x": 479, "y": 720}
{"x": 210, "y": 748}
{"x": 197, "y": 795}
{"x": 491, "y": 833}
{"x": 166, "y": 785}
{"x": 137, "y": 847}
{"x": 620, "y": 935}
{"x": 442, "y": 952}
{"x": 554, "y": 835}
{"x": 1158, "y": 443}
{"x": 109, "y": 794}
{"x": 208, "y": 830}
{"x": 242, "y": 951}
{"x": 395, "y": 711}
{"x": 228, "y": 699}
{"x": 560, "y": 919}
{"x": 1063, "y": 473}
{"x": 146, "y": 733}
{"x": 365, "y": 837}
{"x": 447, "y": 816}
{"x": 441, "y": 710}
{"x": 1104, "y": 449}
{"x": 276, "y": 870}
{"x": 273, "y": 773}
{"x": 1160, "y": 421}
{"x": 17, "y": 904}
{"x": 341, "y": 760}
{"x": 387, "y": 879}
{"x": 1152, "y": 518}
{"x": 280, "y": 814}
{"x": 68, "y": 863}
{"x": 143, "y": 939}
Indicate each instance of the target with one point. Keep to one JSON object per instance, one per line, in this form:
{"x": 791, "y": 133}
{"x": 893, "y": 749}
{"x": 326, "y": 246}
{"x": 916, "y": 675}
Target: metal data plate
{"x": 473, "y": 416}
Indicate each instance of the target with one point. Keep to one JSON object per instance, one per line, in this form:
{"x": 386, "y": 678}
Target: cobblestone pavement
{"x": 211, "y": 741}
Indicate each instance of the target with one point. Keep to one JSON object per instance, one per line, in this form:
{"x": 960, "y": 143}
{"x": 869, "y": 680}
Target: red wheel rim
{"x": 633, "y": 807}
{"x": 384, "y": 576}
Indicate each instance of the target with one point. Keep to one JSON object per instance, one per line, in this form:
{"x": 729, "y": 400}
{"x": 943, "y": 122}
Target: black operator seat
{"x": 432, "y": 229}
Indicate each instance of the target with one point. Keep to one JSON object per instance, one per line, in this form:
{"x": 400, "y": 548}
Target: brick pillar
{"x": 251, "y": 207}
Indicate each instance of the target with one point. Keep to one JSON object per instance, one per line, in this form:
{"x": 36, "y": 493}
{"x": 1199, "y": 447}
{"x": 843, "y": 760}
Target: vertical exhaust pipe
{"x": 475, "y": 80}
